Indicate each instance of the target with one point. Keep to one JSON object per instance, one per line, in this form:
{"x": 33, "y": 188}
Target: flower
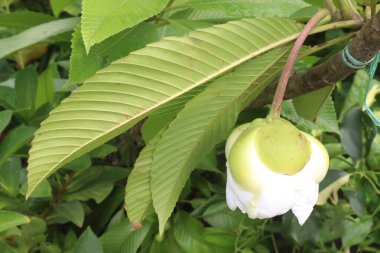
{"x": 272, "y": 167}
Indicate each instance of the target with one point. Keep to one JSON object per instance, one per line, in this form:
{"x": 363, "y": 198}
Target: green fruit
{"x": 274, "y": 145}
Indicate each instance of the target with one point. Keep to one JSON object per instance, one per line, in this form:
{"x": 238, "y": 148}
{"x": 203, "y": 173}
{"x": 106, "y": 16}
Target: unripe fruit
{"x": 273, "y": 167}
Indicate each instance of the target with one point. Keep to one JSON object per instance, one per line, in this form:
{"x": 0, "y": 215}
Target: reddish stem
{"x": 280, "y": 91}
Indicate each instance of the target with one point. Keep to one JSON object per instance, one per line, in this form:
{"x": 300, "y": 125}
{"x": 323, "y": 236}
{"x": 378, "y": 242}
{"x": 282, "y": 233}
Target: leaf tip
{"x": 31, "y": 188}
{"x": 29, "y": 193}
{"x": 161, "y": 228}
{"x": 136, "y": 225}
{"x": 88, "y": 43}
{"x": 87, "y": 46}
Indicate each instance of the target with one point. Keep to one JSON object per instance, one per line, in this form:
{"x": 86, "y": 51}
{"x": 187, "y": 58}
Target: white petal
{"x": 276, "y": 198}
{"x": 306, "y": 196}
{"x": 318, "y": 164}
{"x": 230, "y": 196}
{"x": 270, "y": 194}
{"x": 235, "y": 195}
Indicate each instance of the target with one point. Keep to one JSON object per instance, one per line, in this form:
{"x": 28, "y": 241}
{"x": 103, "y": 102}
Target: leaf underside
{"x": 119, "y": 96}
{"x": 203, "y": 123}
{"x": 195, "y": 131}
{"x": 233, "y": 9}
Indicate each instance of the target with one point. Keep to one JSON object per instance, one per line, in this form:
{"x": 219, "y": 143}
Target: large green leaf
{"x": 138, "y": 198}
{"x": 235, "y": 9}
{"x": 204, "y": 122}
{"x": 102, "y": 19}
{"x": 159, "y": 119}
{"x": 36, "y": 34}
{"x": 120, "y": 95}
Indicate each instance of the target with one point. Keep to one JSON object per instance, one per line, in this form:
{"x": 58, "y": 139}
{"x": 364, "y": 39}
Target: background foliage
{"x": 174, "y": 159}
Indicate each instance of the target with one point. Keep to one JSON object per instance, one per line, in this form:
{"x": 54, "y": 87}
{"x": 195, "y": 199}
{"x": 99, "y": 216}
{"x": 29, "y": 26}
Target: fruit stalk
{"x": 280, "y": 91}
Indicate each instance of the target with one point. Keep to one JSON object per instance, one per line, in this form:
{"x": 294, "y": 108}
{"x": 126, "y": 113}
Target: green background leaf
{"x": 11, "y": 219}
{"x": 123, "y": 237}
{"x": 5, "y": 118}
{"x": 83, "y": 65}
{"x": 88, "y": 243}
{"x": 14, "y": 140}
{"x": 23, "y": 20}
{"x": 36, "y": 34}
{"x": 98, "y": 24}
{"x": 72, "y": 211}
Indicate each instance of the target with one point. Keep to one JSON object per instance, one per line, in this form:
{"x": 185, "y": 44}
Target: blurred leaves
{"x": 88, "y": 243}
{"x": 72, "y": 211}
{"x": 191, "y": 236}
{"x": 59, "y": 5}
{"x": 23, "y": 20}
{"x": 95, "y": 183}
{"x": 333, "y": 181}
{"x": 351, "y": 133}
{"x": 356, "y": 231}
{"x": 35, "y": 35}
{"x": 309, "y": 105}
{"x": 123, "y": 237}
{"x": 98, "y": 25}
{"x": 14, "y": 140}
{"x": 5, "y": 118}
{"x": 11, "y": 219}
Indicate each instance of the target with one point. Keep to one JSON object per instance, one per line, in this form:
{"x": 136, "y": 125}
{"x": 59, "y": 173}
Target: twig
{"x": 363, "y": 47}
{"x": 348, "y": 10}
{"x": 373, "y": 8}
{"x": 329, "y": 4}
{"x": 58, "y": 195}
